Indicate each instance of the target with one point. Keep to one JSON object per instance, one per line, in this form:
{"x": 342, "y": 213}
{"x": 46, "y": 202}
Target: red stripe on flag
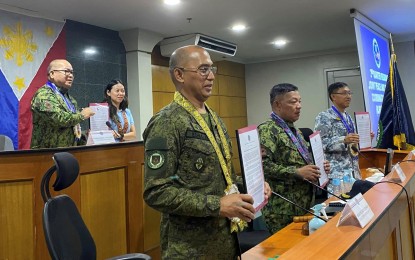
{"x": 57, "y": 51}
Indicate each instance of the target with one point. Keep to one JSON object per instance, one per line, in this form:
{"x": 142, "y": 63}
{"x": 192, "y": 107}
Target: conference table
{"x": 388, "y": 235}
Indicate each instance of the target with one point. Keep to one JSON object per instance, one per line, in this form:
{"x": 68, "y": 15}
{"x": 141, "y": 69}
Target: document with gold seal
{"x": 251, "y": 164}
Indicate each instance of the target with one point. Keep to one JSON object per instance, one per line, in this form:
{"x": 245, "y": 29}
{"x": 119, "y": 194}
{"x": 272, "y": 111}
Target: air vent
{"x": 168, "y": 45}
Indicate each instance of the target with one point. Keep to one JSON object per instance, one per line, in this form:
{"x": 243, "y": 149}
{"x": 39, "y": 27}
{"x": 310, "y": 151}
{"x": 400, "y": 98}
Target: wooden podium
{"x": 108, "y": 193}
{"x": 387, "y": 236}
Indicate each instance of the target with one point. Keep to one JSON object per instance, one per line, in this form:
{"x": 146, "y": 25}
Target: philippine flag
{"x": 27, "y": 46}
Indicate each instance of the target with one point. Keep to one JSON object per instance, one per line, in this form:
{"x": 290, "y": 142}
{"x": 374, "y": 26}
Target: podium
{"x": 386, "y": 236}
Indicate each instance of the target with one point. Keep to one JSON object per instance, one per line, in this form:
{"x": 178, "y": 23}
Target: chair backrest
{"x": 306, "y": 133}
{"x": 66, "y": 234}
{"x": 6, "y": 144}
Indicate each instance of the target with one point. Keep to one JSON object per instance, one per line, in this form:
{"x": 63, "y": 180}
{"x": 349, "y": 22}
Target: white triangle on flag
{"x": 24, "y": 43}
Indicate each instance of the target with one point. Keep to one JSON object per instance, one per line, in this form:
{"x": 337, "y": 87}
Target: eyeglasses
{"x": 344, "y": 93}
{"x": 66, "y": 72}
{"x": 202, "y": 70}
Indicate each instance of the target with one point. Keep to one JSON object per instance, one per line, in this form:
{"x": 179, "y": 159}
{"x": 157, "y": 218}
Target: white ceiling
{"x": 310, "y": 26}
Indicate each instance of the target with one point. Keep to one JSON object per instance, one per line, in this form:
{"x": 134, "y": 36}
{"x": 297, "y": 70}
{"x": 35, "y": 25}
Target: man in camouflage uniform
{"x": 55, "y": 113}
{"x": 286, "y": 160}
{"x": 184, "y": 176}
{"x": 338, "y": 132}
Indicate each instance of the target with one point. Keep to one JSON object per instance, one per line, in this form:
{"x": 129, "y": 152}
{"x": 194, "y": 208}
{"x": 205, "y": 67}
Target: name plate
{"x": 100, "y": 137}
{"x": 356, "y": 210}
{"x": 411, "y": 155}
{"x": 361, "y": 209}
{"x": 400, "y": 173}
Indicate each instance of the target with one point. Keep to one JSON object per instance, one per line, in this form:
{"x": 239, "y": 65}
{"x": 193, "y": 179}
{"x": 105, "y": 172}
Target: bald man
{"x": 55, "y": 113}
{"x": 188, "y": 172}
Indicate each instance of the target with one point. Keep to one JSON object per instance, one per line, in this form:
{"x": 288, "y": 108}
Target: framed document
{"x": 251, "y": 164}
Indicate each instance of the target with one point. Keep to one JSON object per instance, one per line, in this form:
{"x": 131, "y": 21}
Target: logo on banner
{"x": 376, "y": 52}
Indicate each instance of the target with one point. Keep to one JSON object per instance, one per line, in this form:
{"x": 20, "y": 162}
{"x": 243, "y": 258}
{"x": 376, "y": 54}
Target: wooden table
{"x": 387, "y": 236}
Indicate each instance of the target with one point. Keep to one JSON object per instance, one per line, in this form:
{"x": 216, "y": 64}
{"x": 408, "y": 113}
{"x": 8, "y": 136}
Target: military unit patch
{"x": 155, "y": 160}
{"x": 199, "y": 163}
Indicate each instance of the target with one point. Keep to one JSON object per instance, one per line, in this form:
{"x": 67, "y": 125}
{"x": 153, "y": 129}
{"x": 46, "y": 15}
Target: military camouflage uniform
{"x": 184, "y": 180}
{"x": 53, "y": 122}
{"x": 332, "y": 133}
{"x": 280, "y": 163}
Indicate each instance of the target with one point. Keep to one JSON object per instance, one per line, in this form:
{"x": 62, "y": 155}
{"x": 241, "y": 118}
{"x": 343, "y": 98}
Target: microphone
{"x": 331, "y": 193}
{"x": 109, "y": 125}
{"x": 295, "y": 204}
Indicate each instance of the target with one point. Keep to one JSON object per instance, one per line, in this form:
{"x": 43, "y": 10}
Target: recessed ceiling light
{"x": 171, "y": 2}
{"x": 280, "y": 43}
{"x": 238, "y": 28}
{"x": 90, "y": 51}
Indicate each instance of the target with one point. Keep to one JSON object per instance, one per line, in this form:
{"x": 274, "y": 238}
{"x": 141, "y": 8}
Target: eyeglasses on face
{"x": 202, "y": 70}
{"x": 66, "y": 72}
{"x": 348, "y": 93}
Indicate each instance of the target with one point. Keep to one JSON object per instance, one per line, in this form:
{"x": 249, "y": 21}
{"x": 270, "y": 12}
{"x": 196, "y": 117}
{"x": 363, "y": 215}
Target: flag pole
{"x": 391, "y": 43}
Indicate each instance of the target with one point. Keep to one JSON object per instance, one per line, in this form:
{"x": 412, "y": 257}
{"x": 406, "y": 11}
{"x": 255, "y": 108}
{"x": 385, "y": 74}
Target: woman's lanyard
{"x": 347, "y": 122}
{"x": 298, "y": 142}
{"x": 68, "y": 102}
{"x": 122, "y": 129}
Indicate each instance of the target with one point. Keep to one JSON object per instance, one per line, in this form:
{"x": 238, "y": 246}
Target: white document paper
{"x": 318, "y": 156}
{"x": 251, "y": 164}
{"x": 363, "y": 129}
{"x": 97, "y": 122}
{"x": 100, "y": 137}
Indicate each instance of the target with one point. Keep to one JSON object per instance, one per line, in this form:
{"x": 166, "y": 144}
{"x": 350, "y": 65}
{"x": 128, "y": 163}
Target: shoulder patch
{"x": 155, "y": 160}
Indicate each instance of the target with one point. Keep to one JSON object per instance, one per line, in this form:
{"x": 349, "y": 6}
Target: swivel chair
{"x": 306, "y": 133}
{"x": 256, "y": 232}
{"x": 66, "y": 234}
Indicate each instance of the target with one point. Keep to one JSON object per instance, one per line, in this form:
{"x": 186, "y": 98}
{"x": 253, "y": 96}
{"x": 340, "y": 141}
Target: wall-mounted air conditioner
{"x": 168, "y": 45}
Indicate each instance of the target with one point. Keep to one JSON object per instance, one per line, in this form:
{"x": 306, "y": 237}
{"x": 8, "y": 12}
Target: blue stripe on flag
{"x": 9, "y": 111}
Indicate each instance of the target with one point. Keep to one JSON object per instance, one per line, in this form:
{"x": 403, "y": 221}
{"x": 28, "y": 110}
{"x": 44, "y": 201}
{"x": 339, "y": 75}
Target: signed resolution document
{"x": 97, "y": 122}
{"x": 363, "y": 129}
{"x": 251, "y": 164}
{"x": 318, "y": 155}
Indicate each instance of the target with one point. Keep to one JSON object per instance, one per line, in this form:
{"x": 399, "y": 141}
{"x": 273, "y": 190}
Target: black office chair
{"x": 66, "y": 234}
{"x": 256, "y": 232}
{"x": 306, "y": 133}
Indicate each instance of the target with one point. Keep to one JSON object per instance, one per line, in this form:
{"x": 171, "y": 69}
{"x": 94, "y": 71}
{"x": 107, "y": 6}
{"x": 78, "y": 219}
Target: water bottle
{"x": 347, "y": 181}
{"x": 336, "y": 185}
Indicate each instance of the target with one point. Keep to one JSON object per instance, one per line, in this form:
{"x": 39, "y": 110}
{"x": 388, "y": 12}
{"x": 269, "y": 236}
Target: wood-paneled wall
{"x": 228, "y": 97}
{"x": 108, "y": 194}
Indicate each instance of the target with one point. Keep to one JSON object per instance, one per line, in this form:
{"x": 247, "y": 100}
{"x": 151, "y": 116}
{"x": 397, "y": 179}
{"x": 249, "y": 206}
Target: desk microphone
{"x": 295, "y": 204}
{"x": 329, "y": 192}
{"x": 109, "y": 125}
